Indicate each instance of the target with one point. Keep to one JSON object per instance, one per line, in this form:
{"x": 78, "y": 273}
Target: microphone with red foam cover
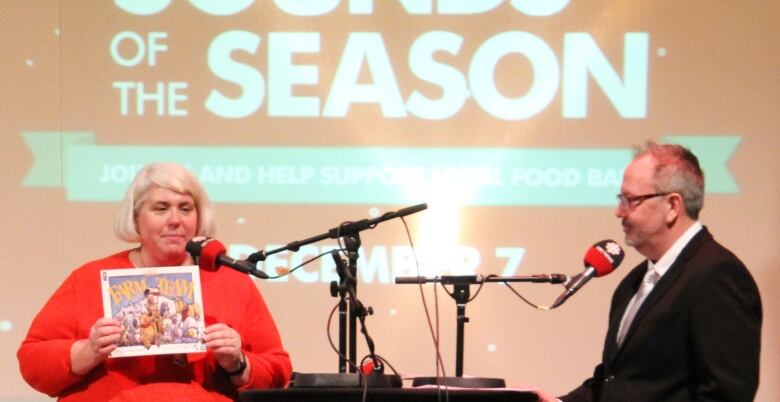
{"x": 601, "y": 259}
{"x": 210, "y": 254}
{"x": 209, "y": 249}
{"x": 604, "y": 257}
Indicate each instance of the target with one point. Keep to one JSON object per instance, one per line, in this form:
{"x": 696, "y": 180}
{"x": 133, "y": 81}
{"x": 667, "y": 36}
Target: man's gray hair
{"x": 677, "y": 170}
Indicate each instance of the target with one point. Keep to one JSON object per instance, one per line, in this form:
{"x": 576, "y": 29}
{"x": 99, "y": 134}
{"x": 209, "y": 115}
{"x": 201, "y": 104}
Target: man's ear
{"x": 675, "y": 207}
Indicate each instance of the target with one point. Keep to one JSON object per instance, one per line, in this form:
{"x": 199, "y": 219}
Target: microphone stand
{"x": 347, "y": 274}
{"x": 350, "y": 234}
{"x": 461, "y": 294}
{"x": 348, "y": 277}
{"x": 338, "y": 289}
{"x": 356, "y": 311}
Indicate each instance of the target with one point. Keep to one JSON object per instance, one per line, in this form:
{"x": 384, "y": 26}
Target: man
{"x": 684, "y": 325}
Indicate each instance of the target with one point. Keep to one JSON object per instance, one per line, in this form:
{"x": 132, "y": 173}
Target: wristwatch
{"x": 240, "y": 369}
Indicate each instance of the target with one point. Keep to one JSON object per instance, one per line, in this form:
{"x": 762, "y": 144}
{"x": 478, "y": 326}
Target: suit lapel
{"x": 663, "y": 285}
{"x": 622, "y": 297}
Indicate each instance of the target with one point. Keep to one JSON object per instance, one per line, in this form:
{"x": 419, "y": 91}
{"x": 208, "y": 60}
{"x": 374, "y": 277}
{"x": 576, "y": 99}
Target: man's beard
{"x": 633, "y": 237}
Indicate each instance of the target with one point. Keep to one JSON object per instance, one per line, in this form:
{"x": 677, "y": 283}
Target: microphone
{"x": 601, "y": 259}
{"x": 210, "y": 254}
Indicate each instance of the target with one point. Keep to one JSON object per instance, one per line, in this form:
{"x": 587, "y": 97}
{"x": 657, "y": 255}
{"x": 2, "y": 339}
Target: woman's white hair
{"x": 169, "y": 176}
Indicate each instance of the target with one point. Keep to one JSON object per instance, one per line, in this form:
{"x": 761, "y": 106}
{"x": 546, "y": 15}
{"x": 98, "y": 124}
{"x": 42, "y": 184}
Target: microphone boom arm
{"x": 345, "y": 229}
{"x": 461, "y": 294}
{"x": 477, "y": 279}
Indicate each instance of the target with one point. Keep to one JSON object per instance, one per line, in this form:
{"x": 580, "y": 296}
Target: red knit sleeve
{"x": 269, "y": 362}
{"x": 44, "y": 356}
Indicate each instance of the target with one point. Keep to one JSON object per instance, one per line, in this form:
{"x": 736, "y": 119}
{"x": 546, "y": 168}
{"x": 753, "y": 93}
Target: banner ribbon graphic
{"x": 361, "y": 175}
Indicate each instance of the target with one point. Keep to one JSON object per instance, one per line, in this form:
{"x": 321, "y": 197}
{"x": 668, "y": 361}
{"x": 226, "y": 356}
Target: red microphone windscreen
{"x": 604, "y": 257}
{"x": 212, "y": 248}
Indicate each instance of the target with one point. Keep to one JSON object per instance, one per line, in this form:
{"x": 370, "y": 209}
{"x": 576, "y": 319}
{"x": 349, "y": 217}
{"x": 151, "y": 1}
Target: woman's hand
{"x": 225, "y": 342}
{"x": 86, "y": 354}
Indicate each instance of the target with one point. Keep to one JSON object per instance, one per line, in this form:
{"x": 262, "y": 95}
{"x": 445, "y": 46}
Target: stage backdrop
{"x": 512, "y": 120}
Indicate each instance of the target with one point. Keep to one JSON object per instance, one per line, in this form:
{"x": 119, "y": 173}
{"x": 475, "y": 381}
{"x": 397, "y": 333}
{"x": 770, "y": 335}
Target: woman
{"x": 66, "y": 350}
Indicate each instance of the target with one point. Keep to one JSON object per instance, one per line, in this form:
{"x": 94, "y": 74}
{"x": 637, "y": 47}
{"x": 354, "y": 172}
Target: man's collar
{"x": 665, "y": 262}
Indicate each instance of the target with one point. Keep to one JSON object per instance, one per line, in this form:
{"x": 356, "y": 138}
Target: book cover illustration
{"x": 160, "y": 309}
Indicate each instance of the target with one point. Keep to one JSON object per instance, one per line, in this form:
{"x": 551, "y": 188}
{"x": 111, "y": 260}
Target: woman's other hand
{"x": 86, "y": 354}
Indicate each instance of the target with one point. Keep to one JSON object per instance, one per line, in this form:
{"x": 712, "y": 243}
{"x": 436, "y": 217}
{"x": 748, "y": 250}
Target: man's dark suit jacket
{"x": 696, "y": 337}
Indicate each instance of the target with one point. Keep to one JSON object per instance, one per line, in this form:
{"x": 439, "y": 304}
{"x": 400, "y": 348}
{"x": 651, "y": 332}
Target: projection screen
{"x": 512, "y": 120}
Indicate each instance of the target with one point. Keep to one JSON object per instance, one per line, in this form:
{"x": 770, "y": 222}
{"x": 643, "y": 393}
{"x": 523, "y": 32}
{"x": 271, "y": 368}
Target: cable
{"x": 452, "y": 294}
{"x": 380, "y": 358}
{"x": 434, "y": 334}
{"x": 335, "y": 349}
{"x": 545, "y": 308}
{"x": 333, "y": 345}
{"x": 283, "y": 274}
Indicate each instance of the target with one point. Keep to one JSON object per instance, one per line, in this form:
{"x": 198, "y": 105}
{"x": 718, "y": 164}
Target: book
{"x": 161, "y": 309}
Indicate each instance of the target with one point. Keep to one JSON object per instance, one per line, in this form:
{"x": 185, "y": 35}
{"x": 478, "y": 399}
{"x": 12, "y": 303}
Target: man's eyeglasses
{"x": 633, "y": 201}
